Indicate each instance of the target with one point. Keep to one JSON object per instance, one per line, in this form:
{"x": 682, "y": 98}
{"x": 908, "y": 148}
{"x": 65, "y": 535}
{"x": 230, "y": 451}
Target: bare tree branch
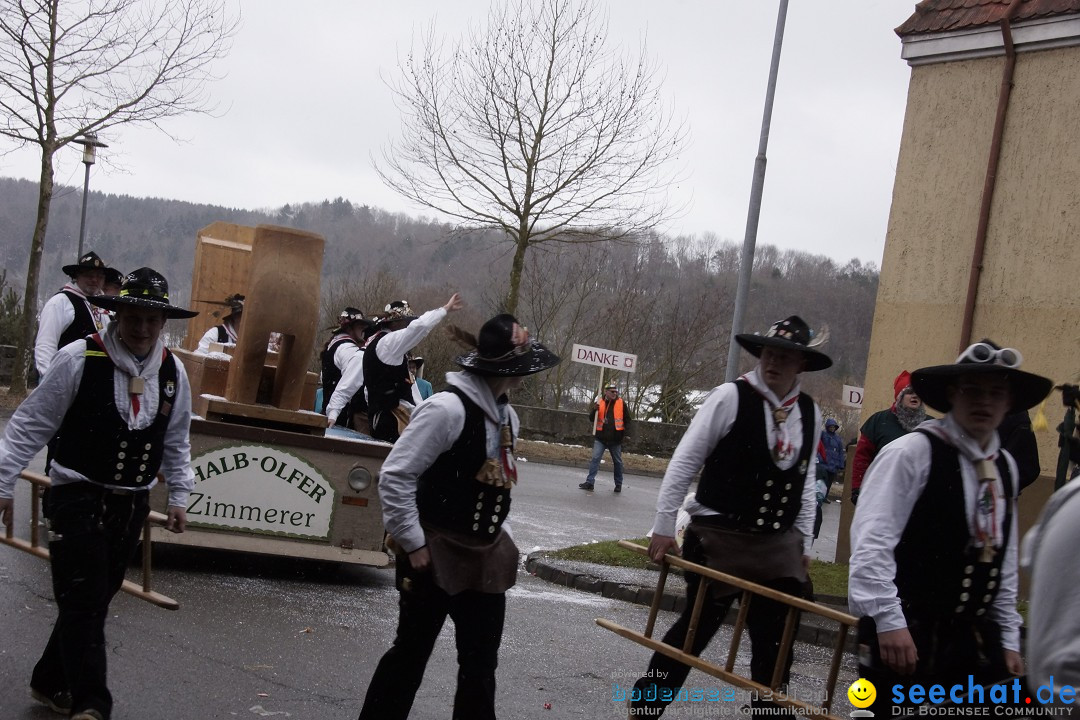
{"x": 534, "y": 127}
{"x": 69, "y": 67}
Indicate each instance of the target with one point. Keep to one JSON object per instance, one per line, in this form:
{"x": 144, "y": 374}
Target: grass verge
{"x": 829, "y": 578}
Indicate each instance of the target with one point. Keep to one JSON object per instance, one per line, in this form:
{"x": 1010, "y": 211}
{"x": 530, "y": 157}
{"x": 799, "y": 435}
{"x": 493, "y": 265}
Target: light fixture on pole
{"x": 90, "y": 145}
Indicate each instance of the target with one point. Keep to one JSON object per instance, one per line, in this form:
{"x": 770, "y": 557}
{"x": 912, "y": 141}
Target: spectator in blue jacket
{"x": 834, "y": 451}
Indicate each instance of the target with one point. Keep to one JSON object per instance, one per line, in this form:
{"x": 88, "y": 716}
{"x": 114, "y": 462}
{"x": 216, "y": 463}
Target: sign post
{"x": 605, "y": 360}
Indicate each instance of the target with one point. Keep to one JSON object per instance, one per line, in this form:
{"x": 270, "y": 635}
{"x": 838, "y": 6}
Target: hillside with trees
{"x": 666, "y": 299}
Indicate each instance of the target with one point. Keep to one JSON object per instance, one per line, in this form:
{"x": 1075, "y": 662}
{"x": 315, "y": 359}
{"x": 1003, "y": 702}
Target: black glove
{"x": 1070, "y": 394}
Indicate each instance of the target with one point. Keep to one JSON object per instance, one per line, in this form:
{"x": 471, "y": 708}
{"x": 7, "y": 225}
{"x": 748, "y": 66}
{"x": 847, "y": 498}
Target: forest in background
{"x": 668, "y": 300}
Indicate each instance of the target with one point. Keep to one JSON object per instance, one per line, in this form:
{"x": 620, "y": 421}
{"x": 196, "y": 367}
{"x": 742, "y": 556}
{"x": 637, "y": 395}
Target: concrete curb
{"x": 812, "y": 630}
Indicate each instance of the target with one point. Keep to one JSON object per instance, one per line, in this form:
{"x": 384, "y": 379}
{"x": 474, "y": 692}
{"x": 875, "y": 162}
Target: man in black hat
{"x": 391, "y": 392}
{"x": 225, "y": 333}
{"x": 445, "y": 492}
{"x": 753, "y": 513}
{"x": 343, "y": 372}
{"x": 933, "y": 568}
{"x": 68, "y": 315}
{"x": 119, "y": 405}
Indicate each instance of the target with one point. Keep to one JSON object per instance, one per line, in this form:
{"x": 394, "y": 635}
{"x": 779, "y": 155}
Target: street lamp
{"x": 90, "y": 145}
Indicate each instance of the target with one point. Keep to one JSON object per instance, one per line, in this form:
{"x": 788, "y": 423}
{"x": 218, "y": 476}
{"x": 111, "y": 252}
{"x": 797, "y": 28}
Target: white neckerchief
{"x": 980, "y": 470}
{"x": 783, "y": 449}
{"x": 96, "y": 313}
{"x": 128, "y": 366}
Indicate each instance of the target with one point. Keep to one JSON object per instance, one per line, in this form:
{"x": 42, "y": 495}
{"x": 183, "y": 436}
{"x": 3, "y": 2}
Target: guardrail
{"x": 35, "y": 547}
{"x": 795, "y": 606}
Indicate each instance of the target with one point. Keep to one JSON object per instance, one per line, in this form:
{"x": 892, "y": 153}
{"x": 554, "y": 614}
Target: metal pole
{"x": 82, "y": 223}
{"x": 746, "y": 262}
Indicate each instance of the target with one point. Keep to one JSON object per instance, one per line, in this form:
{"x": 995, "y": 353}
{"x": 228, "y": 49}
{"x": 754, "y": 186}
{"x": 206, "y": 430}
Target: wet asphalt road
{"x": 263, "y": 637}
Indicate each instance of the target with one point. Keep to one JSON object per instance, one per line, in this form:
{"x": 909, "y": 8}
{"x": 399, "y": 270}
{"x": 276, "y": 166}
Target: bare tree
{"x": 71, "y": 68}
{"x": 534, "y": 127}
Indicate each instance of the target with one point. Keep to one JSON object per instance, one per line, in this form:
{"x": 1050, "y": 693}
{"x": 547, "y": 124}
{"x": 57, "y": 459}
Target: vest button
{"x": 121, "y": 455}
{"x": 964, "y": 596}
{"x": 987, "y": 597}
{"x": 766, "y": 496}
{"x": 147, "y": 446}
{"x": 138, "y": 478}
{"x": 768, "y": 483}
{"x": 779, "y": 513}
{"x": 498, "y": 498}
{"x": 966, "y": 582}
{"x": 494, "y": 518}
{"x": 783, "y": 499}
{"x": 991, "y": 584}
{"x": 959, "y": 608}
{"x": 498, "y": 508}
{"x": 993, "y": 572}
{"x": 980, "y": 611}
{"x": 118, "y": 476}
{"x": 763, "y": 509}
{"x": 760, "y": 521}
{"x": 142, "y": 467}
{"x": 787, "y": 486}
{"x": 776, "y": 526}
{"x": 968, "y": 569}
{"x": 479, "y": 506}
{"x": 146, "y": 457}
{"x": 491, "y": 529}
{"x": 119, "y": 466}
{"x": 475, "y": 526}
{"x": 123, "y": 443}
{"x": 480, "y": 494}
{"x": 476, "y": 516}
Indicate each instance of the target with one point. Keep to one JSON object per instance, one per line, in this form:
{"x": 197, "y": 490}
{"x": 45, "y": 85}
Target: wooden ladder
{"x": 749, "y": 589}
{"x": 35, "y": 547}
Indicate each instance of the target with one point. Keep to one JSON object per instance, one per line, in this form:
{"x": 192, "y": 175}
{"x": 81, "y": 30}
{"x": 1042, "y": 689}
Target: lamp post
{"x": 90, "y": 145}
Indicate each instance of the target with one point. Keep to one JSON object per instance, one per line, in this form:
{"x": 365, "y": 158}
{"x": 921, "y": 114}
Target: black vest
{"x": 82, "y": 325}
{"x": 937, "y": 567}
{"x": 95, "y": 441}
{"x": 386, "y": 386}
{"x": 448, "y": 495}
{"x": 741, "y": 481}
{"x": 331, "y": 376}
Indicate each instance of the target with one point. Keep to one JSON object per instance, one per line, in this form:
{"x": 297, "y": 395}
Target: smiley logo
{"x": 862, "y": 693}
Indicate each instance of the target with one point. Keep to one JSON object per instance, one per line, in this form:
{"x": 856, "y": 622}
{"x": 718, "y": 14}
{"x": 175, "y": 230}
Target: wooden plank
{"x": 217, "y": 408}
{"x": 222, "y": 267}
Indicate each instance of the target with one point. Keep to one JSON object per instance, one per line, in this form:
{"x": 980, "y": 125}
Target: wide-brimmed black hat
{"x": 349, "y": 316}
{"x": 983, "y": 358}
{"x": 395, "y": 311}
{"x": 504, "y": 348}
{"x": 791, "y": 334}
{"x": 145, "y": 288}
{"x": 89, "y": 261}
{"x": 113, "y": 276}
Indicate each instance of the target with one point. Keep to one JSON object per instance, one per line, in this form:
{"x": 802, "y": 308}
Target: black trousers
{"x": 478, "y": 626}
{"x": 950, "y": 650}
{"x": 764, "y": 622}
{"x": 93, "y": 533}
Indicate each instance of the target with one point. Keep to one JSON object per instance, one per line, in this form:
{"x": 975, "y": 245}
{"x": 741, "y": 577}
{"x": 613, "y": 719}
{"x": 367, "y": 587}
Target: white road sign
{"x": 612, "y": 359}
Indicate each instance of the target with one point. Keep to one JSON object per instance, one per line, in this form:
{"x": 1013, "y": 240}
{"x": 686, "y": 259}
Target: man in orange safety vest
{"x": 612, "y": 419}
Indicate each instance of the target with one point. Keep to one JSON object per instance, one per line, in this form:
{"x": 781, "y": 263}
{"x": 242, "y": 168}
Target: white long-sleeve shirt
{"x": 435, "y": 426}
{"x": 893, "y": 484}
{"x": 39, "y": 417}
{"x": 392, "y": 347}
{"x": 55, "y": 317}
{"x": 713, "y": 422}
{"x": 349, "y": 359}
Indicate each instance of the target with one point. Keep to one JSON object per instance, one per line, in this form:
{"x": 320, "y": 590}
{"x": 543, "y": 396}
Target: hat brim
{"x": 74, "y": 270}
{"x": 388, "y": 321}
{"x": 113, "y": 302}
{"x": 931, "y": 384}
{"x": 538, "y": 359}
{"x": 754, "y": 344}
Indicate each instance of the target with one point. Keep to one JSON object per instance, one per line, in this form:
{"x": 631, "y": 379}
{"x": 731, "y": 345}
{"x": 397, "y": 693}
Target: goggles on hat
{"x": 983, "y": 353}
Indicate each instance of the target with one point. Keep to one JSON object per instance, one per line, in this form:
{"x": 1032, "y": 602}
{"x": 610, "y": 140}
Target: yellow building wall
{"x": 1028, "y": 295}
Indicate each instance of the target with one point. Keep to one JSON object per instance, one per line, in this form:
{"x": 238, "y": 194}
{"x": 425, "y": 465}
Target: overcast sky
{"x": 303, "y": 108}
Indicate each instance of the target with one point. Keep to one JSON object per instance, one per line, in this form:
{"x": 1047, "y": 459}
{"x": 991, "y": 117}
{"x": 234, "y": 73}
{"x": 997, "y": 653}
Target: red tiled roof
{"x": 932, "y": 16}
